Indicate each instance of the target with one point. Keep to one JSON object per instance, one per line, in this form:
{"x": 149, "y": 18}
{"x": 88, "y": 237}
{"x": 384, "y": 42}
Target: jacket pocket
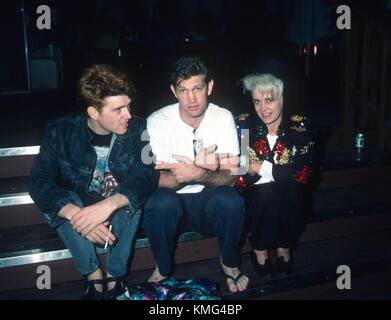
{"x": 125, "y": 163}
{"x": 69, "y": 173}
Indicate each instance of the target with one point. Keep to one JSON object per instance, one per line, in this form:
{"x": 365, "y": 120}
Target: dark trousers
{"x": 274, "y": 215}
{"x": 218, "y": 211}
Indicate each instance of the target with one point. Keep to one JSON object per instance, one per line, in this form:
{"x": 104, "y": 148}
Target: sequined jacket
{"x": 291, "y": 155}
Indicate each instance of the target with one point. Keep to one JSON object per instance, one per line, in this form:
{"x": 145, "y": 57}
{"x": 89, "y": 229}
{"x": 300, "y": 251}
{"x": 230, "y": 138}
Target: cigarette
{"x": 107, "y": 239}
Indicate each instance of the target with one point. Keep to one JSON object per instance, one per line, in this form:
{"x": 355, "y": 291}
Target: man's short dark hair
{"x": 187, "y": 67}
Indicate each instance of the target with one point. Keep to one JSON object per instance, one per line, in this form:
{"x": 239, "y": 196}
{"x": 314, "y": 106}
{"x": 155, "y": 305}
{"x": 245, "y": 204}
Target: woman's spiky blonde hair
{"x": 265, "y": 83}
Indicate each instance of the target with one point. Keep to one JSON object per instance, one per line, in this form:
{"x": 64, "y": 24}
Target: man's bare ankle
{"x": 96, "y": 275}
{"x": 156, "y": 276}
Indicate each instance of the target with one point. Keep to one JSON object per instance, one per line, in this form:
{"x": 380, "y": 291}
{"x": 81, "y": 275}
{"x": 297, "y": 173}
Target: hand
{"x": 68, "y": 211}
{"x": 254, "y": 168}
{"x": 207, "y": 159}
{"x": 185, "y": 171}
{"x": 89, "y": 217}
{"x": 99, "y": 234}
{"x": 210, "y": 160}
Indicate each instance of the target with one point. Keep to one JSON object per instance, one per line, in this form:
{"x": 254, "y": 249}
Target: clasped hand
{"x": 254, "y": 168}
{"x": 90, "y": 222}
{"x": 186, "y": 170}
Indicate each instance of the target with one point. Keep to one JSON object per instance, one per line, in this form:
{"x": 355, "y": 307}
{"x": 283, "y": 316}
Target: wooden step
{"x": 368, "y": 256}
{"x": 23, "y": 215}
{"x": 339, "y": 209}
{"x": 17, "y": 161}
{"x": 356, "y": 176}
{"x": 24, "y": 276}
{"x": 328, "y": 205}
{"x": 373, "y": 286}
{"x": 18, "y": 209}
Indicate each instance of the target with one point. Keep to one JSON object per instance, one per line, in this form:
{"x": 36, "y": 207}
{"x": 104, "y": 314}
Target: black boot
{"x": 284, "y": 267}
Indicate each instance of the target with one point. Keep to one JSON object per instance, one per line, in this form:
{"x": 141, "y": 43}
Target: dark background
{"x": 234, "y": 37}
{"x": 344, "y": 87}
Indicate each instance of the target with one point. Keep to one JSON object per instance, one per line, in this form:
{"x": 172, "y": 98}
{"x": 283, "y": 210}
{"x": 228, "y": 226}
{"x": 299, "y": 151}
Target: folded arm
{"x": 211, "y": 172}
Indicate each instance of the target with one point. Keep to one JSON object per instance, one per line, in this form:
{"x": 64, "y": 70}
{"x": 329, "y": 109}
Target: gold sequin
{"x": 286, "y": 154}
{"x": 243, "y": 116}
{"x": 253, "y": 158}
{"x": 297, "y": 118}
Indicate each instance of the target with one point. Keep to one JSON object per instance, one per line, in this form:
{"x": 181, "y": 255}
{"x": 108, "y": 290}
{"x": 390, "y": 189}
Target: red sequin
{"x": 240, "y": 183}
{"x": 261, "y": 147}
{"x": 279, "y": 149}
{"x": 302, "y": 175}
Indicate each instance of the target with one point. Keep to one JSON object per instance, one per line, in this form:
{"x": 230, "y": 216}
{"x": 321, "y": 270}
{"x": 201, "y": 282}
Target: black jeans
{"x": 218, "y": 211}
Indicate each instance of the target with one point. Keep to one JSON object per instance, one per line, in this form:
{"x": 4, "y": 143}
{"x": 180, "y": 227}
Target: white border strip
{"x": 15, "y": 199}
{"x": 19, "y": 151}
{"x": 30, "y": 258}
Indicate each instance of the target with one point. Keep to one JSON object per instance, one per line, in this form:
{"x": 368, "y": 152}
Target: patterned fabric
{"x": 172, "y": 289}
{"x": 291, "y": 156}
{"x": 103, "y": 182}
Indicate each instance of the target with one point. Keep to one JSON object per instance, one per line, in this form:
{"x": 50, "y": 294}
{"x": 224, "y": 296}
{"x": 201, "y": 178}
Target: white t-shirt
{"x": 170, "y": 135}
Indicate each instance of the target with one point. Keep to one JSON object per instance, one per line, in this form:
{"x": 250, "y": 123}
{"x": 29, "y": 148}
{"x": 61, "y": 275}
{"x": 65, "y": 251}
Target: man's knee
{"x": 228, "y": 197}
{"x": 161, "y": 202}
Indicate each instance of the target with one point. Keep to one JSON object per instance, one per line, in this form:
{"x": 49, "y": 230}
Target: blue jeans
{"x": 84, "y": 252}
{"x": 217, "y": 211}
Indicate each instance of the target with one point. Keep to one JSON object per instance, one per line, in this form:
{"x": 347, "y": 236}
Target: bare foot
{"x": 156, "y": 276}
{"x": 284, "y": 252}
{"x": 262, "y": 256}
{"x": 110, "y": 284}
{"x": 240, "y": 283}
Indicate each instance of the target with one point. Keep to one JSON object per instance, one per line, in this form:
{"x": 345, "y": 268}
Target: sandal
{"x": 235, "y": 280}
{"x": 91, "y": 293}
{"x": 119, "y": 291}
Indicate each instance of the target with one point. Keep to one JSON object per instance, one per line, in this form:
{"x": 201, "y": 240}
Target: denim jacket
{"x": 67, "y": 159}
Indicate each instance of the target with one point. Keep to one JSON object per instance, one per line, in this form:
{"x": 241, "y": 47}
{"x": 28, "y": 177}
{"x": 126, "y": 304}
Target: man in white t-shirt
{"x": 196, "y": 148}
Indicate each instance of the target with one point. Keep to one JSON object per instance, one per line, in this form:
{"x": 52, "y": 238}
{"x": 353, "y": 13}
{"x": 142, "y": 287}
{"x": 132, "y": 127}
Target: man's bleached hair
{"x": 265, "y": 83}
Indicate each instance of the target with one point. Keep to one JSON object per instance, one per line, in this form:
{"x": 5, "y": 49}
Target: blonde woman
{"x": 280, "y": 155}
